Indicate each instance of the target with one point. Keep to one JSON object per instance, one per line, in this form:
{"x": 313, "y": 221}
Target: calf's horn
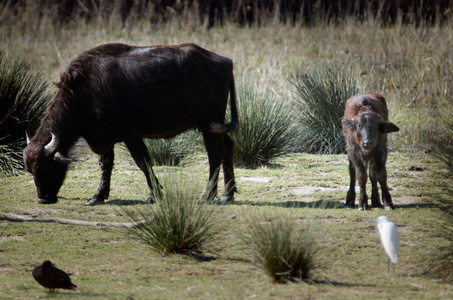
{"x": 52, "y": 145}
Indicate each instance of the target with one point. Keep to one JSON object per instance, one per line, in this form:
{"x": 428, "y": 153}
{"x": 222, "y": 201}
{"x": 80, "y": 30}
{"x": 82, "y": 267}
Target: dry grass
{"x": 108, "y": 265}
{"x": 411, "y": 66}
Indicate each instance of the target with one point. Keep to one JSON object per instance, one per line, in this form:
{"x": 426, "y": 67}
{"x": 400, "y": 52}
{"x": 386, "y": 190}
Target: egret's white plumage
{"x": 390, "y": 238}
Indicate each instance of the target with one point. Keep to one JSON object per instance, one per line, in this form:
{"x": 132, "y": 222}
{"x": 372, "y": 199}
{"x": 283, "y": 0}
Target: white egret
{"x": 390, "y": 238}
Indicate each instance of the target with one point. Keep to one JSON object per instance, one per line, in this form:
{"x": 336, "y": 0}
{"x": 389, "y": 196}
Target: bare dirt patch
{"x": 11, "y": 238}
{"x": 307, "y": 190}
{"x": 404, "y": 200}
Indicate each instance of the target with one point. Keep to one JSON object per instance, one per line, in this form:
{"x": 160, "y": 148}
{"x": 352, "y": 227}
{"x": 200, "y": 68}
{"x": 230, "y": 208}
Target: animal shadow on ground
{"x": 121, "y": 202}
{"x": 117, "y": 202}
{"x": 326, "y": 204}
{"x": 329, "y": 204}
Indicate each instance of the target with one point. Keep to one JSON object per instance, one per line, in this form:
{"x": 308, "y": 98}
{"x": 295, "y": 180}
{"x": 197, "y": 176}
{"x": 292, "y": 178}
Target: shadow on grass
{"x": 117, "y": 202}
{"x": 324, "y": 204}
{"x": 340, "y": 284}
{"x": 202, "y": 257}
{"x": 328, "y": 204}
{"x": 271, "y": 165}
{"x": 120, "y": 202}
{"x": 317, "y": 204}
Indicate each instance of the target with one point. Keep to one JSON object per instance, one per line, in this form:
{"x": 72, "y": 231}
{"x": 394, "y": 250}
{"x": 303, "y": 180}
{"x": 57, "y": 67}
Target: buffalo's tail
{"x": 233, "y": 125}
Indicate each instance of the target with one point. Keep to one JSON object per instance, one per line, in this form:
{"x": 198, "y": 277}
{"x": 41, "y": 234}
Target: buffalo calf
{"x": 365, "y": 128}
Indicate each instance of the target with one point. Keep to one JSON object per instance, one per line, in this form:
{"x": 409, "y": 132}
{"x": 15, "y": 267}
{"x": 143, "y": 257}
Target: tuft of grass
{"x": 285, "y": 251}
{"x": 320, "y": 94}
{"x": 180, "y": 221}
{"x": 440, "y": 261}
{"x": 170, "y": 152}
{"x": 265, "y": 126}
{"x": 23, "y": 99}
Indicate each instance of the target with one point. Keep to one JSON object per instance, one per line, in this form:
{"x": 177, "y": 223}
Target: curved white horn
{"x": 52, "y": 145}
{"x": 28, "y": 137}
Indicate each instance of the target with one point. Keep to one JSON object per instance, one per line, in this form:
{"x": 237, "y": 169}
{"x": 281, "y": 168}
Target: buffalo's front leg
{"x": 140, "y": 155}
{"x": 106, "y": 167}
{"x": 350, "y": 197}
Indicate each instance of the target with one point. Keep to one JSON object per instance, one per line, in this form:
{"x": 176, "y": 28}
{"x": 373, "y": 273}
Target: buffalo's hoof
{"x": 151, "y": 199}
{"x": 47, "y": 201}
{"x": 349, "y": 205}
{"x": 226, "y": 199}
{"x": 93, "y": 201}
{"x": 389, "y": 207}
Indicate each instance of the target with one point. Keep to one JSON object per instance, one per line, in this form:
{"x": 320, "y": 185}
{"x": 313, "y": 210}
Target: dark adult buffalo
{"x": 365, "y": 129}
{"x": 120, "y": 93}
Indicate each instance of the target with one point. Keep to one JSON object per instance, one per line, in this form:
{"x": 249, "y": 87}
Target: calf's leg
{"x": 350, "y": 197}
{"x": 375, "y": 201}
{"x": 382, "y": 178}
{"x": 362, "y": 179}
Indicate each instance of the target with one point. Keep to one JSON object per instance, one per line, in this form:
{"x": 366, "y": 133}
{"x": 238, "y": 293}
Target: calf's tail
{"x": 233, "y": 125}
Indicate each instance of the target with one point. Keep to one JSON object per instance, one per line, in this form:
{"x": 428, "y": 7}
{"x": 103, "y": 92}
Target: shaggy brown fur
{"x": 120, "y": 93}
{"x": 365, "y": 129}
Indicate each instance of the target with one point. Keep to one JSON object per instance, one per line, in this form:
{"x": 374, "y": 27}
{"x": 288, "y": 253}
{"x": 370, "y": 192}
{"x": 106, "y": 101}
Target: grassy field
{"x": 411, "y": 66}
{"x": 307, "y": 189}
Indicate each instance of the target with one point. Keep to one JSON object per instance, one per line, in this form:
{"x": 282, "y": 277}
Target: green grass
{"x": 107, "y": 264}
{"x": 179, "y": 222}
{"x": 285, "y": 252}
{"x": 265, "y": 126}
{"x": 23, "y": 100}
{"x": 411, "y": 66}
{"x": 320, "y": 94}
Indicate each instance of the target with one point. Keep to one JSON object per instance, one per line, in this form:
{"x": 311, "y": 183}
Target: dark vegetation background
{"x": 402, "y": 49}
{"x": 246, "y": 12}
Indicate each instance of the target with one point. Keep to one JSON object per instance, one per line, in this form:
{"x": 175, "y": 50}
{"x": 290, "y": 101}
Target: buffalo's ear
{"x": 348, "y": 123}
{"x": 388, "y": 127}
{"x": 61, "y": 159}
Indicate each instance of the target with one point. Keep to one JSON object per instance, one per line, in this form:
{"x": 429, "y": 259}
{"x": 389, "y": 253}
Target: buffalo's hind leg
{"x": 214, "y": 147}
{"x": 228, "y": 170}
{"x": 106, "y": 167}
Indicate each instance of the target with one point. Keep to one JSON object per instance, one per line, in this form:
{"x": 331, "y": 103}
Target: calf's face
{"x": 367, "y": 128}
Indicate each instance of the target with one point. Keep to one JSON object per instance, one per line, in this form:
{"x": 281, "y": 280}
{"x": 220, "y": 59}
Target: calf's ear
{"x": 348, "y": 123}
{"x": 388, "y": 127}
